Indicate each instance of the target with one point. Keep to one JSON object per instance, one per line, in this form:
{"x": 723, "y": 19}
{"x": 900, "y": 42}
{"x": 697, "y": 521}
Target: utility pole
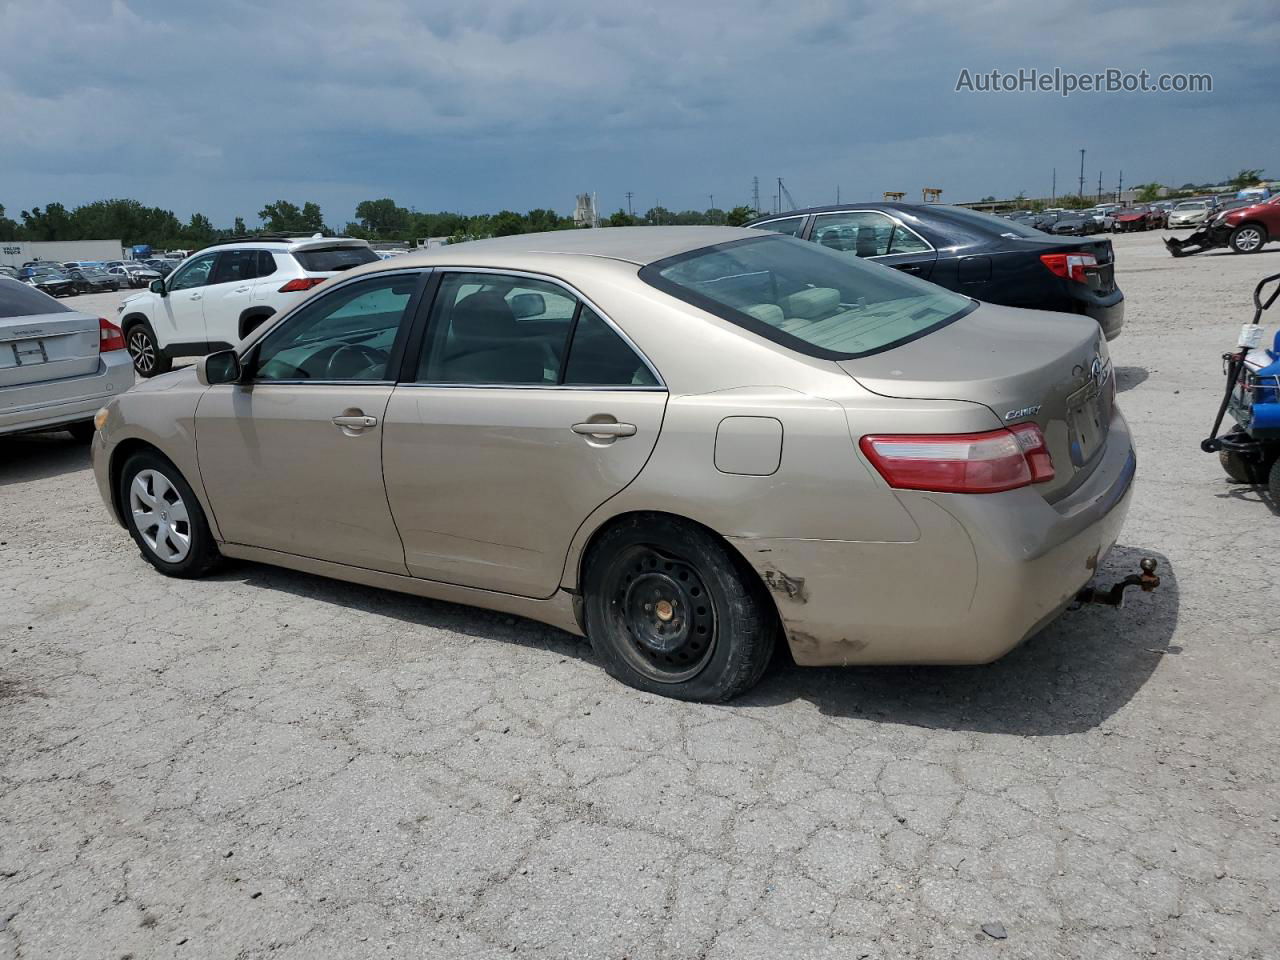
{"x": 1120, "y": 187}
{"x": 712, "y": 198}
{"x": 755, "y": 195}
{"x": 1099, "y": 196}
{"x": 629, "y": 196}
{"x": 1082, "y": 173}
{"x": 837, "y": 194}
{"x": 1053, "y": 196}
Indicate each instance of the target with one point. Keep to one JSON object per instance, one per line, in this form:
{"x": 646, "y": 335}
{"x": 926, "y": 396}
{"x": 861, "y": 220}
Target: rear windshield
{"x": 817, "y": 301}
{"x": 18, "y": 299}
{"x": 330, "y": 259}
{"x": 993, "y": 224}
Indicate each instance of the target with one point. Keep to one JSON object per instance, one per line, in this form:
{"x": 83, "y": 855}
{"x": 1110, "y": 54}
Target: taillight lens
{"x": 298, "y": 284}
{"x": 1071, "y": 266}
{"x": 962, "y": 462}
{"x": 110, "y": 337}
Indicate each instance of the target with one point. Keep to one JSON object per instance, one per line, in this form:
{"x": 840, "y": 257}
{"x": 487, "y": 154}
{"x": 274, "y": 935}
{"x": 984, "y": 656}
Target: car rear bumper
{"x": 55, "y": 403}
{"x": 1106, "y": 309}
{"x": 986, "y": 572}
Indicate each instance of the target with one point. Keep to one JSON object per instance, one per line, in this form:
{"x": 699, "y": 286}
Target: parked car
{"x": 10, "y": 272}
{"x": 220, "y": 294}
{"x": 1244, "y": 229}
{"x": 57, "y": 365}
{"x": 1189, "y": 213}
{"x": 53, "y": 282}
{"x": 586, "y": 428}
{"x": 162, "y": 267}
{"x": 1103, "y": 218}
{"x": 1136, "y": 218}
{"x": 973, "y": 253}
{"x": 93, "y": 279}
{"x": 132, "y": 273}
{"x": 1074, "y": 225}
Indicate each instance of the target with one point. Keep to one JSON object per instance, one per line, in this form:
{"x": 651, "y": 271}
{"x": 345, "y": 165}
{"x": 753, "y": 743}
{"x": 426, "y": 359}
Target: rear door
{"x": 229, "y": 294}
{"x": 874, "y": 235}
{"x": 523, "y": 410}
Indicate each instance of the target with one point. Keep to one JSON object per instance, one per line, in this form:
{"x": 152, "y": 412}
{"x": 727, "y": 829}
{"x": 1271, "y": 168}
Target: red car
{"x": 1137, "y": 218}
{"x": 1243, "y": 229}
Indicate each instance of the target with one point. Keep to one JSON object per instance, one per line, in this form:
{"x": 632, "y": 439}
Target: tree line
{"x": 376, "y": 220}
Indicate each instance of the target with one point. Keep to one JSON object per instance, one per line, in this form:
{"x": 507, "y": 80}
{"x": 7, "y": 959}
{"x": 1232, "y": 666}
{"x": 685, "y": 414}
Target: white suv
{"x": 219, "y": 294}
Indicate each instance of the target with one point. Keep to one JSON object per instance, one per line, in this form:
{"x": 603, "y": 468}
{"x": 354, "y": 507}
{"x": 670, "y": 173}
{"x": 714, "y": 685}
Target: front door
{"x": 181, "y": 314}
{"x": 292, "y": 457}
{"x": 526, "y": 411}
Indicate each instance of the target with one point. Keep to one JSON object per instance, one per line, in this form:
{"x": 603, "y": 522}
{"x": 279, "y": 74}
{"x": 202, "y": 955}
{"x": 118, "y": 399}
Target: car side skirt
{"x": 557, "y": 610}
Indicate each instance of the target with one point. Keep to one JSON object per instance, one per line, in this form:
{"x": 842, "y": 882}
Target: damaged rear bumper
{"x": 985, "y": 573}
{"x": 1203, "y": 238}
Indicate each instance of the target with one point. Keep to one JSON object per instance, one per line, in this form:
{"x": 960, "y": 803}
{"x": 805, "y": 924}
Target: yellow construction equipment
{"x": 893, "y": 195}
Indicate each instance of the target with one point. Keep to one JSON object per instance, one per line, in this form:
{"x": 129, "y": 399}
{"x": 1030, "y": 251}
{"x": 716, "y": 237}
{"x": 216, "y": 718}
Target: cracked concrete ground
{"x": 271, "y": 764}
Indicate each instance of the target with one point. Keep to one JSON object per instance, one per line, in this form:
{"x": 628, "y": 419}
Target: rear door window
{"x": 332, "y": 259}
{"x": 599, "y": 357}
{"x": 21, "y": 300}
{"x": 236, "y": 265}
{"x": 791, "y": 226}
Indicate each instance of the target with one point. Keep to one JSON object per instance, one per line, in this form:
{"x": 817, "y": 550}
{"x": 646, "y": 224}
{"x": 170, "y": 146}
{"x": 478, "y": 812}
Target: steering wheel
{"x": 333, "y": 368}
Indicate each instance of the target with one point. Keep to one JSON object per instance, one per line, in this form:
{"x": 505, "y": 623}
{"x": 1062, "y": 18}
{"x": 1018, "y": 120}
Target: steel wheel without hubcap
{"x": 142, "y": 350}
{"x": 662, "y": 605}
{"x": 160, "y": 516}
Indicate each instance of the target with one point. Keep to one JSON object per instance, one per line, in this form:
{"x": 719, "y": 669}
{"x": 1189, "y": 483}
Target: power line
{"x": 629, "y": 196}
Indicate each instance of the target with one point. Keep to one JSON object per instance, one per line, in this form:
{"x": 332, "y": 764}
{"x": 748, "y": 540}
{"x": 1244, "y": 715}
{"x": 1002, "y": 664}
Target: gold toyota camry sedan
{"x": 687, "y": 443}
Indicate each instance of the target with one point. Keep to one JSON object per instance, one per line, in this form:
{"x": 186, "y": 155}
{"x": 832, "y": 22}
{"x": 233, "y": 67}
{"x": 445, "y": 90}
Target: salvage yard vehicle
{"x": 976, "y": 254}
{"x": 217, "y": 296}
{"x": 93, "y": 279}
{"x": 1250, "y": 451}
{"x": 1189, "y": 213}
{"x": 1244, "y": 229}
{"x": 1136, "y": 218}
{"x": 587, "y": 428}
{"x": 131, "y": 272}
{"x": 53, "y": 282}
{"x": 57, "y": 365}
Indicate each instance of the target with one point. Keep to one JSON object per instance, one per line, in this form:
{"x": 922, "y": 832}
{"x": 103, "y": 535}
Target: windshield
{"x": 21, "y": 300}
{"x": 334, "y": 259}
{"x": 1193, "y": 205}
{"x": 817, "y": 301}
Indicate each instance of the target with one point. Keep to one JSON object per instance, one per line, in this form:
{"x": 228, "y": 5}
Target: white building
{"x": 17, "y": 252}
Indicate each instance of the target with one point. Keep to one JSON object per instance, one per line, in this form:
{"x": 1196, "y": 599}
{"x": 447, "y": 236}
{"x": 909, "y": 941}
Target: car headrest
{"x": 768, "y": 312}
{"x": 483, "y": 314}
{"x": 811, "y": 303}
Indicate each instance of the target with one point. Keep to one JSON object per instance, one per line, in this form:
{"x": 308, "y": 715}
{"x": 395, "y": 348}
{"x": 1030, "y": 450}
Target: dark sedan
{"x": 53, "y": 282}
{"x": 984, "y": 257}
{"x": 1074, "y": 225}
{"x": 93, "y": 279}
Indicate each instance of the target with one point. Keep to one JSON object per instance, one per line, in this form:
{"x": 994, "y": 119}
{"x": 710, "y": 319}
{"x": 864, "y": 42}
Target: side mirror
{"x": 221, "y": 367}
{"x": 157, "y": 286}
{"x": 528, "y": 305}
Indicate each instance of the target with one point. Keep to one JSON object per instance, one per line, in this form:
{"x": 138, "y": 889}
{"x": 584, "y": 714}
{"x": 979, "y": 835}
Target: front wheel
{"x": 165, "y": 518}
{"x": 672, "y": 610}
{"x": 1247, "y": 238}
{"x": 148, "y": 359}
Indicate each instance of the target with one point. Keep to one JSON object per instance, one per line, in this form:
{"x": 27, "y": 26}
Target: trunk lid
{"x": 1101, "y": 278}
{"x": 51, "y": 346}
{"x": 1023, "y": 365}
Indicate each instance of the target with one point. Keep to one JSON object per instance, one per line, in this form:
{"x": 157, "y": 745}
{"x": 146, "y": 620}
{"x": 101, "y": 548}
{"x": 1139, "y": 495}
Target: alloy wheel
{"x": 1249, "y": 239}
{"x": 160, "y": 516}
{"x": 143, "y": 351}
{"x": 666, "y": 613}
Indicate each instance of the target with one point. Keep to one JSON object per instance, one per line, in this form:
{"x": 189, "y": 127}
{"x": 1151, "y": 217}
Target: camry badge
{"x": 1022, "y": 412}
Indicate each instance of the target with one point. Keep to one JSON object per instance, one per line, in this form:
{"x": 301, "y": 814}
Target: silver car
{"x": 684, "y": 442}
{"x": 57, "y": 366}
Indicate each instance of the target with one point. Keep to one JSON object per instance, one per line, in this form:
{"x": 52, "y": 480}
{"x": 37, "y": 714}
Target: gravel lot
{"x": 272, "y": 764}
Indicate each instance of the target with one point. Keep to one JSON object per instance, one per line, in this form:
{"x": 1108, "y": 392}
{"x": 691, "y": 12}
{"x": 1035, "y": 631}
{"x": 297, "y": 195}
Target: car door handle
{"x": 196, "y": 296}
{"x": 908, "y": 267}
{"x": 355, "y": 422}
{"x": 240, "y": 290}
{"x": 605, "y": 429}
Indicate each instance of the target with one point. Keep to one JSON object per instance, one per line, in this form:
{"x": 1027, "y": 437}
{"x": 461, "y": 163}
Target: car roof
{"x": 637, "y": 245}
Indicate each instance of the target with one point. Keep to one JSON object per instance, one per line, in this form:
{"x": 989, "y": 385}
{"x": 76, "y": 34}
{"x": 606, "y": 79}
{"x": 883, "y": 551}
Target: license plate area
{"x": 27, "y": 353}
{"x": 1086, "y": 424}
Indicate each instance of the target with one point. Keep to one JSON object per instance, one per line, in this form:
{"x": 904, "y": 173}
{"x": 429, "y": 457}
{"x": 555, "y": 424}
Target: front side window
{"x": 492, "y": 328}
{"x": 347, "y": 334}
{"x": 194, "y": 274}
{"x": 791, "y": 226}
{"x": 807, "y": 296}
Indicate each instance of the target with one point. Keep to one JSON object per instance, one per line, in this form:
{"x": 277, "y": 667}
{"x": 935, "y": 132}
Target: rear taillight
{"x": 962, "y": 462}
{"x": 298, "y": 284}
{"x": 110, "y": 337}
{"x": 1072, "y": 266}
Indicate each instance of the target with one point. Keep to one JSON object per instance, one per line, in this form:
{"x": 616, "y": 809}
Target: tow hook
{"x": 1114, "y": 597}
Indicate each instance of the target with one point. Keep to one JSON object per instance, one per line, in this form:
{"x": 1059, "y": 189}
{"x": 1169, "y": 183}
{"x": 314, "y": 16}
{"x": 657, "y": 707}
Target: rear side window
{"x": 791, "y": 226}
{"x": 236, "y": 265}
{"x": 599, "y": 357}
{"x": 266, "y": 263}
{"x": 20, "y": 300}
{"x": 807, "y": 297}
{"x": 331, "y": 259}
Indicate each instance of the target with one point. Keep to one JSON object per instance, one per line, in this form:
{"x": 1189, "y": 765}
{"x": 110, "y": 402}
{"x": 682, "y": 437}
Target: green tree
{"x": 739, "y": 215}
{"x": 507, "y": 223}
{"x": 198, "y": 232}
{"x": 621, "y": 219}
{"x": 9, "y": 228}
{"x": 659, "y": 215}
{"x": 51, "y": 223}
{"x": 1246, "y": 178}
{"x": 384, "y": 219}
{"x": 1074, "y": 202}
{"x": 285, "y": 217}
{"x": 239, "y": 228}
{"x": 1147, "y": 192}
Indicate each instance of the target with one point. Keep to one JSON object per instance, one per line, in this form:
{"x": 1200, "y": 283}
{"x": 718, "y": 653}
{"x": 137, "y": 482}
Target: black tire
{"x": 81, "y": 432}
{"x": 1248, "y": 238}
{"x": 1273, "y": 482}
{"x": 150, "y": 534}
{"x": 148, "y": 359}
{"x": 643, "y": 581}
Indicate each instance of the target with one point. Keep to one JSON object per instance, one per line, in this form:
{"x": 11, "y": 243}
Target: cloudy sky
{"x": 484, "y": 104}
